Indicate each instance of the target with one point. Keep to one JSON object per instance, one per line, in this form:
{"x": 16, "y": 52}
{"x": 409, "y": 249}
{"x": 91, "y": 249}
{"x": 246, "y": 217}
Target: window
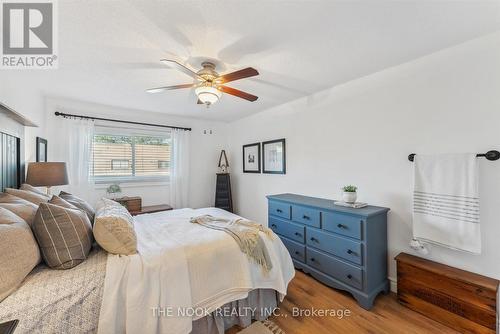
{"x": 119, "y": 164}
{"x": 125, "y": 158}
{"x": 162, "y": 164}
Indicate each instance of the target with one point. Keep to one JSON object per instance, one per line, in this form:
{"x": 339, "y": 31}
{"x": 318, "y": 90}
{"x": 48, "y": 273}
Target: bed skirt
{"x": 259, "y": 305}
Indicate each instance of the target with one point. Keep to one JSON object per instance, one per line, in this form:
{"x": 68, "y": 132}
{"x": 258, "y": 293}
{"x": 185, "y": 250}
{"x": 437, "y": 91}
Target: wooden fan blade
{"x": 182, "y": 68}
{"x": 238, "y": 93}
{"x": 241, "y": 74}
{"x": 162, "y": 89}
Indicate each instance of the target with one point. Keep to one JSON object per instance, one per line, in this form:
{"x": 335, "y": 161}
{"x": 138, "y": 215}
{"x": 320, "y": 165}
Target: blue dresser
{"x": 342, "y": 247}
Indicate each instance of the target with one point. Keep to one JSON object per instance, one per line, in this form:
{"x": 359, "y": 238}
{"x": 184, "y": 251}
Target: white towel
{"x": 446, "y": 201}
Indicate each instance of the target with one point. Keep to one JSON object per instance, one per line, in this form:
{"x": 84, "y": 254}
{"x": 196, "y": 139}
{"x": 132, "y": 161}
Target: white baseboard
{"x": 394, "y": 284}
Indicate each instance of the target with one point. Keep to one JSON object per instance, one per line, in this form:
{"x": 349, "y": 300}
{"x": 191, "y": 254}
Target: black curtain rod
{"x": 57, "y": 113}
{"x": 490, "y": 155}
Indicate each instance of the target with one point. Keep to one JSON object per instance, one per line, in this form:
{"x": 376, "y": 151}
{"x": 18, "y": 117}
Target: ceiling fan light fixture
{"x": 208, "y": 84}
{"x": 208, "y": 94}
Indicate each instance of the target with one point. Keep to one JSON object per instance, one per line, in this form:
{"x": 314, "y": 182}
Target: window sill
{"x": 138, "y": 184}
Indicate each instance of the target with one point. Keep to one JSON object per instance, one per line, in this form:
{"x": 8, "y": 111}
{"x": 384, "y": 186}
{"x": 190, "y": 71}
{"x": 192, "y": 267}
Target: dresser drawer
{"x": 339, "y": 246}
{"x": 342, "y": 224}
{"x": 340, "y": 270}
{"x": 287, "y": 229}
{"x": 305, "y": 215}
{"x": 297, "y": 251}
{"x": 279, "y": 209}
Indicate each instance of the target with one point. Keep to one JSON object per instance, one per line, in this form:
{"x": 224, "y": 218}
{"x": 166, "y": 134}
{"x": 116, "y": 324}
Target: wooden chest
{"x": 131, "y": 203}
{"x": 459, "y": 299}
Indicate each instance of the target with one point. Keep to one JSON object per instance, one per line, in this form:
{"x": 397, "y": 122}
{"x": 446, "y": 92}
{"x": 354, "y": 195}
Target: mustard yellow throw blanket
{"x": 245, "y": 233}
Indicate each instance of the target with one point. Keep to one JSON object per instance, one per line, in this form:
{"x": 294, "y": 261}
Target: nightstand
{"x": 151, "y": 209}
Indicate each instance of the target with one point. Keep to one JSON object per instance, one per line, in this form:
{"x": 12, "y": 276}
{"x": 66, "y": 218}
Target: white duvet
{"x": 183, "y": 272}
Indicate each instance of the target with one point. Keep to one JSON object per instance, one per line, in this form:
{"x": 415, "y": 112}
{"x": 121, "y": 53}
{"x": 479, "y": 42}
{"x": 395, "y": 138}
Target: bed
{"x": 186, "y": 278}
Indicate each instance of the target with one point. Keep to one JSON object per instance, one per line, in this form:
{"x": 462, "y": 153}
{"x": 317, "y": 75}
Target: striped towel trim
{"x": 461, "y": 208}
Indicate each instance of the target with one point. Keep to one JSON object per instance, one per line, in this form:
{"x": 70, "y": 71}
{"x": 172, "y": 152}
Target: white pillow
{"x": 114, "y": 228}
{"x": 107, "y": 202}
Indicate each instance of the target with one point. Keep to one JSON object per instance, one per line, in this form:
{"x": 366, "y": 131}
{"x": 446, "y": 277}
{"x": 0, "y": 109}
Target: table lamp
{"x": 47, "y": 174}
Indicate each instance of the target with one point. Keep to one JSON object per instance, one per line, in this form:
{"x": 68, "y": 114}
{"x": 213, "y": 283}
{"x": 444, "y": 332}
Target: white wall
{"x": 17, "y": 93}
{"x": 205, "y": 149}
{"x": 362, "y": 132}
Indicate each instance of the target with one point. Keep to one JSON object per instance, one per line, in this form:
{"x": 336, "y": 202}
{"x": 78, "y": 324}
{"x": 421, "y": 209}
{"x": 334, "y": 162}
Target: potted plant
{"x": 113, "y": 189}
{"x": 349, "y": 194}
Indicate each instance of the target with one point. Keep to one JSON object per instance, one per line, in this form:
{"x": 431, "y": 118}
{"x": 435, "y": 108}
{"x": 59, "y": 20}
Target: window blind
{"x": 130, "y": 157}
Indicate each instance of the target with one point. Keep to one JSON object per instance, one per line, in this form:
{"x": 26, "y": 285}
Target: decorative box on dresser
{"x": 342, "y": 247}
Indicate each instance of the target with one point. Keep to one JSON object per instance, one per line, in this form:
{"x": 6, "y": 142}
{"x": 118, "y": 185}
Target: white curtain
{"x": 179, "y": 169}
{"x": 79, "y": 136}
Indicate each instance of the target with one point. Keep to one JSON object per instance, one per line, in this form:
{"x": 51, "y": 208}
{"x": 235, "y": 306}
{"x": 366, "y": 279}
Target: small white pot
{"x": 349, "y": 197}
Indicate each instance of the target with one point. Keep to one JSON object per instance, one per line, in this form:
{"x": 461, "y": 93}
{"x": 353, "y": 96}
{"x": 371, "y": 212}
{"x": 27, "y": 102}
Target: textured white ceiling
{"x": 110, "y": 50}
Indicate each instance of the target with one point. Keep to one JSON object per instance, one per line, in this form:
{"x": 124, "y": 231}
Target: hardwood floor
{"x": 387, "y": 316}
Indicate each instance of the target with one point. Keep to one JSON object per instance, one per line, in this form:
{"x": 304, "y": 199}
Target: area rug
{"x": 262, "y": 327}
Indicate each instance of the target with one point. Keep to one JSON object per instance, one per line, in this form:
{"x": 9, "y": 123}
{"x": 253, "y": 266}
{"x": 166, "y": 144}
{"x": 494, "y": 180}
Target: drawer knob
{"x": 314, "y": 239}
{"x": 297, "y": 252}
{"x": 312, "y": 259}
{"x": 306, "y": 217}
{"x": 279, "y": 210}
{"x": 349, "y": 251}
{"x": 298, "y": 234}
{"x": 349, "y": 276}
{"x": 341, "y": 226}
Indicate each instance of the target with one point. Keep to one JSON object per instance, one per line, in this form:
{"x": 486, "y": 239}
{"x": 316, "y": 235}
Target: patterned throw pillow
{"x": 23, "y": 208}
{"x": 19, "y": 252}
{"x": 64, "y": 235}
{"x": 79, "y": 203}
{"x": 114, "y": 228}
{"x": 106, "y": 202}
{"x": 28, "y": 195}
{"x": 56, "y": 200}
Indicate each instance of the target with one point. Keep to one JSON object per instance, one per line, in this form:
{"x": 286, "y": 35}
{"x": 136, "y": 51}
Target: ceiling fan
{"x": 209, "y": 85}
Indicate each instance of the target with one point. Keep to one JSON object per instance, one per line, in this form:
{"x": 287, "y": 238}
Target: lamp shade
{"x": 47, "y": 174}
{"x": 208, "y": 94}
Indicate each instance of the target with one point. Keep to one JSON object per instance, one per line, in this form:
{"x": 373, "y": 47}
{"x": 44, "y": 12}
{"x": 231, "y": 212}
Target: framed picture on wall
{"x": 251, "y": 158}
{"x": 41, "y": 149}
{"x": 274, "y": 157}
